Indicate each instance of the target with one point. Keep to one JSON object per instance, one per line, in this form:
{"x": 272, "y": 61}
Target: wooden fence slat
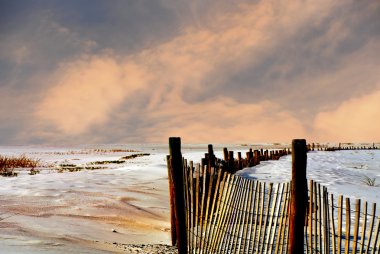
{"x": 282, "y": 237}
{"x": 311, "y": 212}
{"x": 218, "y": 209}
{"x": 375, "y": 239}
{"x": 187, "y": 204}
{"x": 242, "y": 213}
{"x": 284, "y": 207}
{"x": 364, "y": 227}
{"x": 232, "y": 221}
{"x": 257, "y": 210}
{"x": 224, "y": 198}
{"x": 320, "y": 240}
{"x": 252, "y": 218}
{"x": 197, "y": 192}
{"x": 248, "y": 216}
{"x": 276, "y": 214}
{"x": 266, "y": 219}
{"x": 201, "y": 218}
{"x": 315, "y": 218}
{"x": 207, "y": 219}
{"x": 242, "y": 221}
{"x": 340, "y": 217}
{"x": 240, "y": 216}
{"x": 356, "y": 226}
{"x": 191, "y": 208}
{"x": 327, "y": 214}
{"x": 324, "y": 221}
{"x": 371, "y": 228}
{"x": 272, "y": 214}
{"x": 348, "y": 226}
{"x": 213, "y": 213}
{"x": 229, "y": 237}
{"x": 233, "y": 210}
{"x": 261, "y": 217}
{"x": 332, "y": 220}
{"x": 227, "y": 212}
{"x": 285, "y": 232}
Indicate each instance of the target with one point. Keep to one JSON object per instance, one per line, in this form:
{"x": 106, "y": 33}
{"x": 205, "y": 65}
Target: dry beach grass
{"x": 8, "y": 164}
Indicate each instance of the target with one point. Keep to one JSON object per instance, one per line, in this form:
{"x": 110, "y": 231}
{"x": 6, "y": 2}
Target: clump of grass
{"x": 121, "y": 160}
{"x": 93, "y": 168}
{"x": 369, "y": 181}
{"x": 67, "y": 167}
{"x": 106, "y": 162}
{"x": 135, "y": 156}
{"x": 34, "y": 171}
{"x": 115, "y": 151}
{"x": 8, "y": 164}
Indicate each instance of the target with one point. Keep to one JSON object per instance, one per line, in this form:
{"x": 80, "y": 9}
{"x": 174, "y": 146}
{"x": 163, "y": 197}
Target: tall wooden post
{"x": 298, "y": 199}
{"x": 172, "y": 203}
{"x": 176, "y": 172}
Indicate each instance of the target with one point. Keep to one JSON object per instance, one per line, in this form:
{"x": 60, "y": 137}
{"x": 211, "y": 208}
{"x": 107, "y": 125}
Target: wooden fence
{"x": 231, "y": 214}
{"x": 225, "y": 213}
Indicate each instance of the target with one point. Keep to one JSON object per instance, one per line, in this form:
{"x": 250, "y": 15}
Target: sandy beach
{"x": 91, "y": 211}
{"x": 124, "y": 207}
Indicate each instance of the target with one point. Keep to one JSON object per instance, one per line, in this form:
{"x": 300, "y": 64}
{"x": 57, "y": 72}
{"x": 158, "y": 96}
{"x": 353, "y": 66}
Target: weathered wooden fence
{"x": 225, "y": 213}
{"x": 230, "y": 214}
{"x": 335, "y": 226}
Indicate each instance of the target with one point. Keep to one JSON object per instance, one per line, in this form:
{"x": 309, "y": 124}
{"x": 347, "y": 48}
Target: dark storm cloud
{"x": 286, "y": 72}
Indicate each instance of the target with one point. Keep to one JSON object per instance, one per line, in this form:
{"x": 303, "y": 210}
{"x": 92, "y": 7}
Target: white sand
{"x": 77, "y": 212}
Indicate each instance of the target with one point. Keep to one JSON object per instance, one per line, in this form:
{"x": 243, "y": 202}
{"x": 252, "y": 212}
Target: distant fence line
{"x": 231, "y": 164}
{"x": 215, "y": 211}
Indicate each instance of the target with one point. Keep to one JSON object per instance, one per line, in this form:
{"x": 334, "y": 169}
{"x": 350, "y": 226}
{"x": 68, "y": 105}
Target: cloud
{"x": 317, "y": 59}
{"x": 257, "y": 71}
{"x": 356, "y": 119}
{"x": 221, "y": 120}
{"x": 86, "y": 91}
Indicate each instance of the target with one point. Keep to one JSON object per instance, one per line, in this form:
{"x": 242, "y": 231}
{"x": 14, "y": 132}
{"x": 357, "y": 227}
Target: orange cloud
{"x": 357, "y": 119}
{"x": 224, "y": 120}
{"x": 86, "y": 90}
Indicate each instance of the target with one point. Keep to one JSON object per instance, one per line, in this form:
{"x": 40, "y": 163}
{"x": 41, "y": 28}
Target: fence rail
{"x": 226, "y": 213}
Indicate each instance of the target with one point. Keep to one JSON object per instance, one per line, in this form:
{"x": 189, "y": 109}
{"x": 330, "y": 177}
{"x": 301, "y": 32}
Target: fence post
{"x": 298, "y": 199}
{"x": 172, "y": 203}
{"x": 176, "y": 172}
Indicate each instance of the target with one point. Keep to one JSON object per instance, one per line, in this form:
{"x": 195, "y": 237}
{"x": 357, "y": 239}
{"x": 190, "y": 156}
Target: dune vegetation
{"x": 9, "y": 163}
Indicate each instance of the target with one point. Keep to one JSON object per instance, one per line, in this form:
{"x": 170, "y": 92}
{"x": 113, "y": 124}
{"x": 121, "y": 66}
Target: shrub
{"x": 8, "y": 164}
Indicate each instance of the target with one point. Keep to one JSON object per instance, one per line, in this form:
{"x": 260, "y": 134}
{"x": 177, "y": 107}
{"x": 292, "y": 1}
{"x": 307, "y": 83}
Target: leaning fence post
{"x": 176, "y": 173}
{"x": 298, "y": 199}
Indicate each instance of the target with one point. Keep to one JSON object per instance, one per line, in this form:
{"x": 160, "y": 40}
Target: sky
{"x": 140, "y": 71}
